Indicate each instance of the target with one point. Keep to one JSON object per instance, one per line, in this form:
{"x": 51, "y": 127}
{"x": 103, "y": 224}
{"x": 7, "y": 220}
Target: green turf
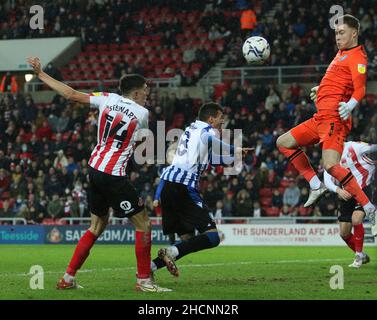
{"x": 222, "y": 273}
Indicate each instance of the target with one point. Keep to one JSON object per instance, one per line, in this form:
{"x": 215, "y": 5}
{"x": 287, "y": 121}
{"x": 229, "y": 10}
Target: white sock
{"x": 174, "y": 251}
{"x": 360, "y": 254}
{"x": 153, "y": 266}
{"x": 68, "y": 278}
{"x": 315, "y": 183}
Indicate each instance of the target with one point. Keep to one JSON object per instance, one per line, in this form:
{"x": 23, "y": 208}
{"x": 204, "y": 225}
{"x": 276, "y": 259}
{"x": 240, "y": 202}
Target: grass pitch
{"x": 239, "y": 273}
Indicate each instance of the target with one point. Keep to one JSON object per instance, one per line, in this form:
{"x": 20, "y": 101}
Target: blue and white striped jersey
{"x": 197, "y": 148}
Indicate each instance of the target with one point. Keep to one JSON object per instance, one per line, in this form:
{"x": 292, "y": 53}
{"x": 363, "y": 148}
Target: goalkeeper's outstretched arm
{"x": 64, "y": 90}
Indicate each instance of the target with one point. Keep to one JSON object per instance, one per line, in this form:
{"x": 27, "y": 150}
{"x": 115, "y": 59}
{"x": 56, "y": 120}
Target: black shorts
{"x": 346, "y": 208}
{"x": 183, "y": 210}
{"x": 107, "y": 191}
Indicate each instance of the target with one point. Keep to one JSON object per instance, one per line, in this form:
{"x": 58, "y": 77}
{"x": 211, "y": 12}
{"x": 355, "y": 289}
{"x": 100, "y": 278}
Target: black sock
{"x": 159, "y": 263}
{"x": 197, "y": 243}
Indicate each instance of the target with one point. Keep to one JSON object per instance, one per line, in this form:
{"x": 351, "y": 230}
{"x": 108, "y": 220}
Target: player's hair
{"x": 209, "y": 109}
{"x": 130, "y": 82}
{"x": 350, "y": 21}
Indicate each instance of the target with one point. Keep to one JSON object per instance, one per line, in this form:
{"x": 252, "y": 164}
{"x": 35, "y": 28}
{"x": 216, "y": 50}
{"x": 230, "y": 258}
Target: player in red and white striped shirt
{"x": 355, "y": 157}
{"x": 120, "y": 117}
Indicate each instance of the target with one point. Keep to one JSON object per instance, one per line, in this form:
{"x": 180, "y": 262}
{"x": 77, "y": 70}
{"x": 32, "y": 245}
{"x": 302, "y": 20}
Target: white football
{"x": 256, "y": 50}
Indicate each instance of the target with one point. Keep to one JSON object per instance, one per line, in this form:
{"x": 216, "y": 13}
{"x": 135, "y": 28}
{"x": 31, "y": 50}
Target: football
{"x": 256, "y": 50}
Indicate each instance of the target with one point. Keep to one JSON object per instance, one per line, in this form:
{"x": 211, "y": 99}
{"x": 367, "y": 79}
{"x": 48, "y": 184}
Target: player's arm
{"x": 217, "y": 146}
{"x": 64, "y": 90}
{"x": 330, "y": 184}
{"x": 369, "y": 148}
{"x": 157, "y": 195}
{"x": 358, "y": 67}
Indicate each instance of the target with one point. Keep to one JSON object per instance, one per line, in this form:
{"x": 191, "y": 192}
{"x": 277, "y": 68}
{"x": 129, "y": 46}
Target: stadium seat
{"x": 272, "y": 212}
{"x": 304, "y": 212}
{"x": 265, "y": 192}
{"x": 266, "y": 201}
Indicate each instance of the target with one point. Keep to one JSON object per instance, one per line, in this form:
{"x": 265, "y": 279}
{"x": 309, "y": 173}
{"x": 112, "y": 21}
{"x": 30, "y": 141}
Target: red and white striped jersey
{"x": 355, "y": 158}
{"x": 118, "y": 122}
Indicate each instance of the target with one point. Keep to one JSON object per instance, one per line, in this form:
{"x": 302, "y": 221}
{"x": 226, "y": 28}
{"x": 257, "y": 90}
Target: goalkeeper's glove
{"x": 345, "y": 108}
{"x": 313, "y": 93}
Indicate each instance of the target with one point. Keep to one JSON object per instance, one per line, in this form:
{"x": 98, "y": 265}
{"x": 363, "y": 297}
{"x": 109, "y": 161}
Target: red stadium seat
{"x": 266, "y": 202}
{"x": 284, "y": 183}
{"x": 265, "y": 192}
{"x": 304, "y": 212}
{"x": 272, "y": 212}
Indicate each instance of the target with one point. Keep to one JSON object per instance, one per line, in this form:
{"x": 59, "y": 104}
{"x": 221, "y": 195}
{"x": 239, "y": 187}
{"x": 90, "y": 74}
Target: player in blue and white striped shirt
{"x": 183, "y": 210}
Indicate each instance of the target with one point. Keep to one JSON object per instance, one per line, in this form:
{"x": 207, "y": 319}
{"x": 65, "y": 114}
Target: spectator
{"x": 257, "y": 210}
{"x": 8, "y": 83}
{"x": 55, "y": 207}
{"x": 214, "y": 33}
{"x": 188, "y": 54}
{"x": 244, "y": 205}
{"x": 248, "y": 21}
{"x": 291, "y": 194}
{"x": 285, "y": 211}
{"x": 219, "y": 210}
{"x": 228, "y": 204}
{"x": 60, "y": 161}
{"x": 211, "y": 196}
{"x": 277, "y": 199}
{"x": 272, "y": 100}
{"x": 80, "y": 197}
{"x": 5, "y": 181}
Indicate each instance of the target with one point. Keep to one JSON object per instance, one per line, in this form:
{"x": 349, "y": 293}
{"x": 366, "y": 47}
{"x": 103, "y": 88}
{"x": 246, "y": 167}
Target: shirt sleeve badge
{"x": 361, "y": 68}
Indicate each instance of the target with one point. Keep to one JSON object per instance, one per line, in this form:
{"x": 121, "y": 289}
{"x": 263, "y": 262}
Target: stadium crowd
{"x": 299, "y": 33}
{"x": 44, "y": 151}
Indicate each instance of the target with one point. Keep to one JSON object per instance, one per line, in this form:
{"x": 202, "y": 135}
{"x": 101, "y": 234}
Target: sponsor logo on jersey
{"x": 126, "y": 206}
{"x": 361, "y": 68}
{"x": 343, "y": 58}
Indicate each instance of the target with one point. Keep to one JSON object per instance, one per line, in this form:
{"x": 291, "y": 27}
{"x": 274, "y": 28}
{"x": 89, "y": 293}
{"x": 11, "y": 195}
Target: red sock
{"x": 350, "y": 240}
{"x": 348, "y": 181}
{"x": 359, "y": 237}
{"x": 81, "y": 253}
{"x": 300, "y": 161}
{"x": 143, "y": 254}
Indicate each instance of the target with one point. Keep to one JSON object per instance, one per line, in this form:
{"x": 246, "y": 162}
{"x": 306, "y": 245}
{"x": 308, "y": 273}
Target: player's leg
{"x": 158, "y": 263}
{"x": 206, "y": 240}
{"x": 98, "y": 207}
{"x": 144, "y": 281}
{"x": 143, "y": 227}
{"x": 289, "y": 144}
{"x": 81, "y": 253}
{"x": 345, "y": 232}
{"x": 352, "y": 215}
{"x": 358, "y": 230}
{"x": 331, "y": 159}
